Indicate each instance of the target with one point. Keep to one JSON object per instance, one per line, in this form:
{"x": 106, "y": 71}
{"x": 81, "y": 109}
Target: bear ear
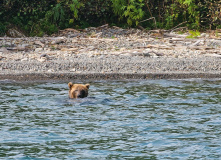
{"x": 87, "y": 85}
{"x": 70, "y": 85}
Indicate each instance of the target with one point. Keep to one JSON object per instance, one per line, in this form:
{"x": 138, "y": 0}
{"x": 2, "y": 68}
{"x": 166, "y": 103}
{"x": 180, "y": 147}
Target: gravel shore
{"x": 112, "y": 67}
{"x": 136, "y": 55}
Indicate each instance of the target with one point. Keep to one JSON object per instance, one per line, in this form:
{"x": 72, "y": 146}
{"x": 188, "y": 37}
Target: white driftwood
{"x": 174, "y": 35}
{"x": 196, "y": 43}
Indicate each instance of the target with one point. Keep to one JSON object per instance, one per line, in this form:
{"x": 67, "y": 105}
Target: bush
{"x": 39, "y": 17}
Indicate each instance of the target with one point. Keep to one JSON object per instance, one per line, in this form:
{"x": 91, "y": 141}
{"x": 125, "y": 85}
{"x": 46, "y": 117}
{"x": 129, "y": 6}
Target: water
{"x": 152, "y": 119}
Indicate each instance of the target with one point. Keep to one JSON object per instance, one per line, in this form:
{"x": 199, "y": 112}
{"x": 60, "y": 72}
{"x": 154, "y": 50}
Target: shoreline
{"x": 35, "y": 77}
{"x": 112, "y": 68}
{"x": 126, "y": 54}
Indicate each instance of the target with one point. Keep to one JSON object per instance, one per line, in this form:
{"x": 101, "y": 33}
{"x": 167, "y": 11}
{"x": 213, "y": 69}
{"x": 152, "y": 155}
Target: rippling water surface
{"x": 151, "y": 119}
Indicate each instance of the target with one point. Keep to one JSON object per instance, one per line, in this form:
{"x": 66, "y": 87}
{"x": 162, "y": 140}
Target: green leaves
{"x": 188, "y": 2}
{"x": 71, "y": 21}
{"x": 48, "y": 16}
{"x": 132, "y": 11}
{"x": 74, "y": 7}
{"x": 193, "y": 34}
{"x": 57, "y": 13}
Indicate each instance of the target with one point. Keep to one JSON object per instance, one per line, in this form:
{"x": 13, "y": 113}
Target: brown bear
{"x": 78, "y": 90}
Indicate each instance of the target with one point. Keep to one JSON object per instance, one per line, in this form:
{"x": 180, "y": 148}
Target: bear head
{"x": 78, "y": 90}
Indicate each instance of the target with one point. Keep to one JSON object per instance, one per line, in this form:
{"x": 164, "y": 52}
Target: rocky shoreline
{"x": 110, "y": 53}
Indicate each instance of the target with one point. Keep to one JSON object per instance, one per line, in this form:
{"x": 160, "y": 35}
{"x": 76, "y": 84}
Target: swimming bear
{"x": 78, "y": 90}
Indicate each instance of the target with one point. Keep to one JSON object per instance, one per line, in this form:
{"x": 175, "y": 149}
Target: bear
{"x": 78, "y": 90}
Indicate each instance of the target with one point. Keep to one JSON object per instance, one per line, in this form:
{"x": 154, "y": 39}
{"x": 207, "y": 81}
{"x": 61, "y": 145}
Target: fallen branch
{"x": 177, "y": 26}
{"x": 180, "y": 28}
{"x": 150, "y": 19}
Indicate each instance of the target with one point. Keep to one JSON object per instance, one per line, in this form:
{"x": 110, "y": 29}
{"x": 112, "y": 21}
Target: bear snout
{"x": 82, "y": 94}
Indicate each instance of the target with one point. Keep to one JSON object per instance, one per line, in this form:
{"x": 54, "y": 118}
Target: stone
{"x": 73, "y": 70}
{"x": 213, "y": 55}
{"x": 1, "y": 58}
{"x": 159, "y": 54}
{"x": 58, "y": 40}
{"x": 39, "y": 43}
{"x": 44, "y": 56}
{"x": 146, "y": 54}
{"x": 24, "y": 59}
{"x": 38, "y": 49}
{"x": 50, "y": 70}
{"x": 42, "y": 59}
{"x": 69, "y": 49}
{"x": 4, "y": 50}
{"x": 20, "y": 48}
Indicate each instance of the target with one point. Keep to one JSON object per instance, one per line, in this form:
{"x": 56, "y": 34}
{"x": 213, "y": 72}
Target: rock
{"x": 97, "y": 54}
{"x": 159, "y": 54}
{"x": 69, "y": 49}
{"x": 50, "y": 70}
{"x": 18, "y": 48}
{"x": 38, "y": 49}
{"x": 43, "y": 59}
{"x": 202, "y": 35}
{"x": 196, "y": 43}
{"x": 4, "y": 50}
{"x": 58, "y": 40}
{"x": 146, "y": 54}
{"x": 136, "y": 53}
{"x": 73, "y": 70}
{"x": 1, "y": 58}
{"x": 21, "y": 48}
{"x": 74, "y": 35}
{"x": 39, "y": 43}
{"x": 26, "y": 45}
{"x": 90, "y": 55}
{"x": 213, "y": 55}
{"x": 24, "y": 59}
{"x": 127, "y": 54}
{"x": 44, "y": 56}
{"x": 91, "y": 48}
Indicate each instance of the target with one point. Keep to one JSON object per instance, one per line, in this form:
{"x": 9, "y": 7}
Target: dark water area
{"x": 144, "y": 119}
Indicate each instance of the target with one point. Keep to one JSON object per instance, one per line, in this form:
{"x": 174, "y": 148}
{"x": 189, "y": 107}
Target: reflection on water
{"x": 152, "y": 119}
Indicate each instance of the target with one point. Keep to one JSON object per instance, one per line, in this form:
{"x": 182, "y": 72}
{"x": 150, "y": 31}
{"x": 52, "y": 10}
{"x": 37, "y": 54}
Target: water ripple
{"x": 152, "y": 119}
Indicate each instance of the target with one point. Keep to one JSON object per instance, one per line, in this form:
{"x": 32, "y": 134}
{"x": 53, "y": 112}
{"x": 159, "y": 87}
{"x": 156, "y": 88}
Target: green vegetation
{"x": 39, "y": 17}
{"x": 193, "y": 34}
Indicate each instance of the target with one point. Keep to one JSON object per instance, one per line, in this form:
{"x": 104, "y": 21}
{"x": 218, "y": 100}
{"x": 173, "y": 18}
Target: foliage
{"x": 193, "y": 34}
{"x": 131, "y": 9}
{"x": 74, "y": 7}
{"x": 213, "y": 13}
{"x": 2, "y": 28}
{"x": 39, "y": 17}
{"x": 95, "y": 13}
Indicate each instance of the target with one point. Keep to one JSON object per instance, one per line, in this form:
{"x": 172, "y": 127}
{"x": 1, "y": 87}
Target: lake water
{"x": 144, "y": 119}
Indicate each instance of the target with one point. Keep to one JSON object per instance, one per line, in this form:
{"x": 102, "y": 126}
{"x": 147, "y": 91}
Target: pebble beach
{"x": 110, "y": 53}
